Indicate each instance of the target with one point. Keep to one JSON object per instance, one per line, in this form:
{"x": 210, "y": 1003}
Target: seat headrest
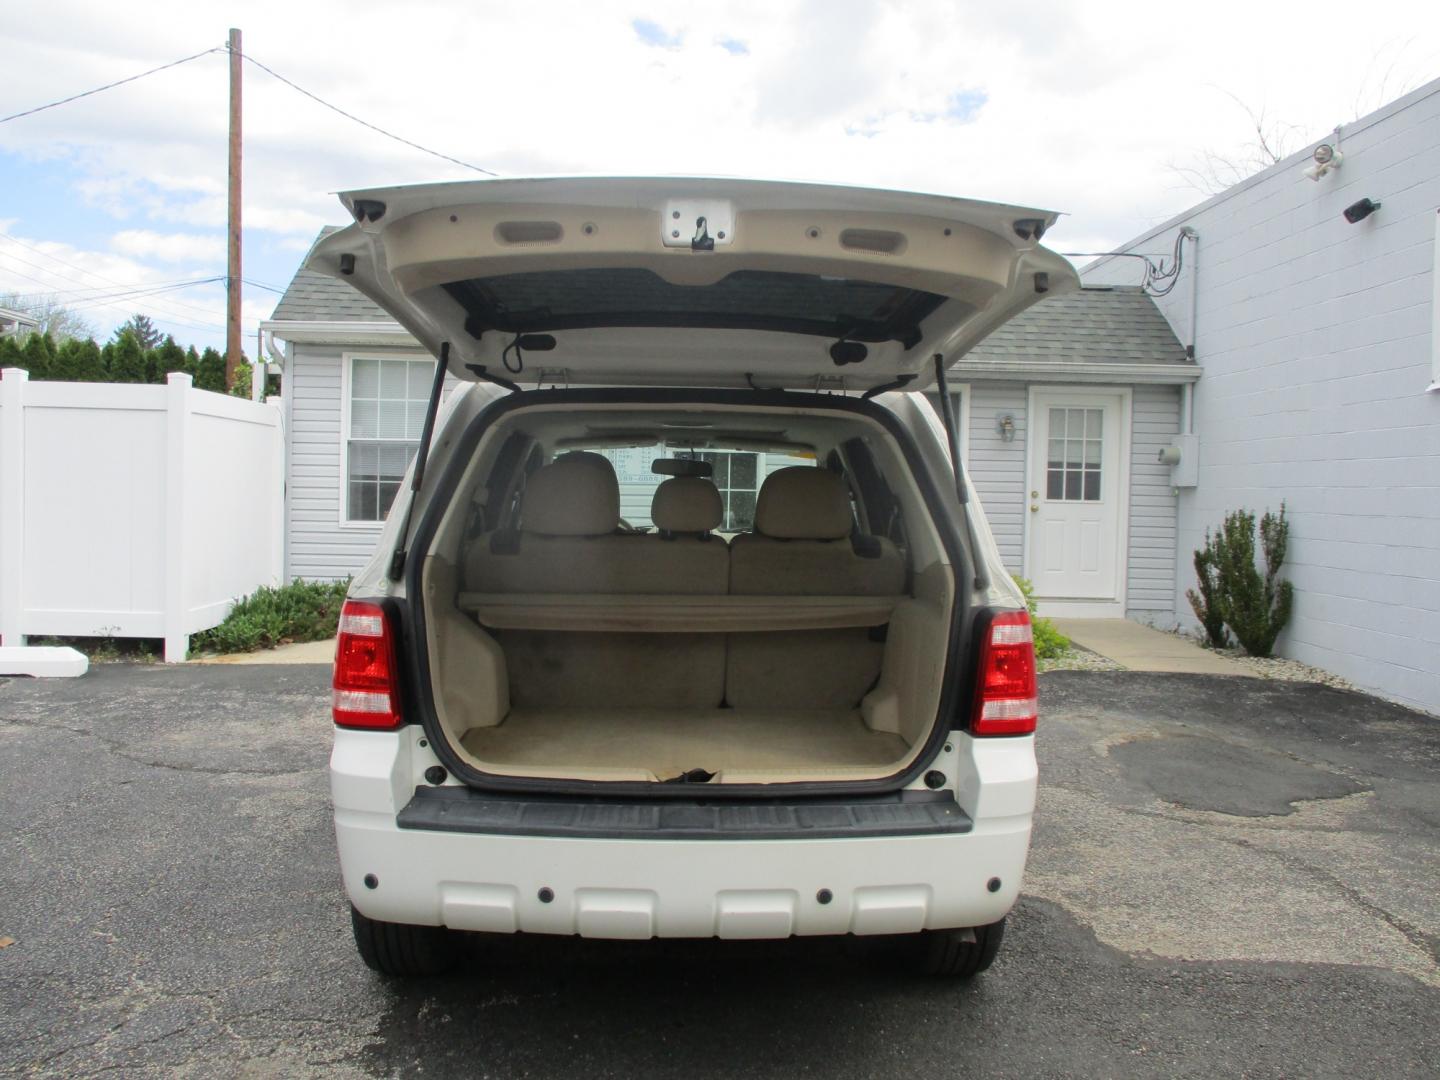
{"x": 804, "y": 503}
{"x": 571, "y": 496}
{"x": 588, "y": 457}
{"x": 687, "y": 504}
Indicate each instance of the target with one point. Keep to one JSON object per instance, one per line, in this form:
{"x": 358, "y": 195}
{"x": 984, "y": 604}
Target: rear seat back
{"x": 567, "y": 543}
{"x": 803, "y": 545}
{"x": 684, "y": 555}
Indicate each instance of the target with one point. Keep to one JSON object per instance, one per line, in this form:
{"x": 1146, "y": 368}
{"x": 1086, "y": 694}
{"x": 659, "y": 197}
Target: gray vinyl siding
{"x": 997, "y": 468}
{"x": 317, "y": 546}
{"x": 1150, "y": 585}
{"x": 997, "y": 473}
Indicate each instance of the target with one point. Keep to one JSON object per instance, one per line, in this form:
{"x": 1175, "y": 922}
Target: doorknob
{"x": 1034, "y": 509}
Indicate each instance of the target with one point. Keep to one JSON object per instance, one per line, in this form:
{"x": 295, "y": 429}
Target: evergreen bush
{"x": 210, "y": 372}
{"x": 1255, "y": 605}
{"x": 127, "y": 360}
{"x": 1206, "y": 601}
{"x": 38, "y": 355}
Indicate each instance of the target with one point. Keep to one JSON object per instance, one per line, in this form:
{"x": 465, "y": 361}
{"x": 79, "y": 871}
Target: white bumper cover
{"x": 610, "y": 888}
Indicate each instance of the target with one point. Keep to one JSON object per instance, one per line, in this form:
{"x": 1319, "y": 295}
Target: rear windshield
{"x": 745, "y": 300}
{"x": 737, "y": 474}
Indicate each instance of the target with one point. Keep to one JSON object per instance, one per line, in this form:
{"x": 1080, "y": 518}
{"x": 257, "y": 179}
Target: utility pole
{"x": 232, "y": 269}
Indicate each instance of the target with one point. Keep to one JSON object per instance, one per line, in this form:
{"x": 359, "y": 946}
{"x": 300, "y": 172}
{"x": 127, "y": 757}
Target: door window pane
{"x": 388, "y": 399}
{"x": 1075, "y": 452}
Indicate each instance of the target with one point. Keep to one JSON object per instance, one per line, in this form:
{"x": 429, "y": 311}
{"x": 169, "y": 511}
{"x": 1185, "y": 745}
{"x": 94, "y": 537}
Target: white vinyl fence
{"x": 134, "y": 511}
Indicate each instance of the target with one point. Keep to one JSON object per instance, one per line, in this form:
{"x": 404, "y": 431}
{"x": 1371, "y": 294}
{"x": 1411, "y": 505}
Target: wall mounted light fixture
{"x": 1326, "y": 158}
{"x": 1005, "y": 425}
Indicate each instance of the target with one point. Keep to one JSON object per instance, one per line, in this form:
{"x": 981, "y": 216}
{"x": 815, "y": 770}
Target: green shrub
{"x": 127, "y": 359}
{"x": 300, "y": 611}
{"x": 1255, "y": 606}
{"x": 1050, "y": 644}
{"x": 210, "y": 372}
{"x": 1206, "y": 602}
{"x": 241, "y": 387}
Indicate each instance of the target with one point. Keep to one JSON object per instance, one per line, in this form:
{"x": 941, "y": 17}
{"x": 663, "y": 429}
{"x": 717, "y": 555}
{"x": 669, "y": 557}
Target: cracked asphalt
{"x": 1229, "y": 877}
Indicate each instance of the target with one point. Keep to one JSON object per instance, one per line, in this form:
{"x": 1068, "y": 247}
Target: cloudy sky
{"x": 1096, "y": 110}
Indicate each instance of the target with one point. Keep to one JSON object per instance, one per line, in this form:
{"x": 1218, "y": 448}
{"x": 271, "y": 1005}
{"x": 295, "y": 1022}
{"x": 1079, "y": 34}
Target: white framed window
{"x": 960, "y": 403}
{"x": 383, "y": 410}
{"x": 1074, "y": 455}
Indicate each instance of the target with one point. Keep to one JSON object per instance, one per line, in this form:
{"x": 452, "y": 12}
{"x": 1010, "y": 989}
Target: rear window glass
{"x": 747, "y": 299}
{"x": 736, "y": 474}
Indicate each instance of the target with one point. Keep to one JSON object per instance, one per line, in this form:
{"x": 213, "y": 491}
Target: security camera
{"x": 1359, "y": 211}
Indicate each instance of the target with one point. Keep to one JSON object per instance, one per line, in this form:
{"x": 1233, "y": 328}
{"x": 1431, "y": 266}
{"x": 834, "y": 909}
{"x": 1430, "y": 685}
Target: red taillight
{"x": 365, "y": 693}
{"x": 1005, "y": 702}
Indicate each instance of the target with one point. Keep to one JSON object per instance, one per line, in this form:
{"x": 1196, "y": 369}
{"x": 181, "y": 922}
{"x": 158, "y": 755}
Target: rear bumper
{"x": 611, "y": 887}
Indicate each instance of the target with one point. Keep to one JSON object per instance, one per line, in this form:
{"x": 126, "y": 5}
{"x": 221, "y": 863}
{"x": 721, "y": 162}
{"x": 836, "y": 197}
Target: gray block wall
{"x": 1316, "y": 339}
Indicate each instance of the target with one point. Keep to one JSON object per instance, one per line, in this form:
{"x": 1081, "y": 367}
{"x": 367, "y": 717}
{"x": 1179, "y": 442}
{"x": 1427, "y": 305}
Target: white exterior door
{"x": 1076, "y": 494}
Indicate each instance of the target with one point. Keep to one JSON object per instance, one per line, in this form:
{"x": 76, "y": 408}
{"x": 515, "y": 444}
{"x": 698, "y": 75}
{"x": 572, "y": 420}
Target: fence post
{"x": 12, "y": 505}
{"x": 177, "y": 436}
{"x": 277, "y": 497}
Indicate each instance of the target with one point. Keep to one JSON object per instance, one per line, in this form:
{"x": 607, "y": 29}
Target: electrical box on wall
{"x": 1184, "y": 460}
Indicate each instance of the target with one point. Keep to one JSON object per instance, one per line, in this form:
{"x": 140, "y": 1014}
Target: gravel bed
{"x": 1276, "y": 667}
{"x": 1078, "y": 659}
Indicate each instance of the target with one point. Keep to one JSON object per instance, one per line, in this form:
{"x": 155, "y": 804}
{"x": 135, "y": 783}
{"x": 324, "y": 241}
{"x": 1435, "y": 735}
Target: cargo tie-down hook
{"x": 702, "y": 240}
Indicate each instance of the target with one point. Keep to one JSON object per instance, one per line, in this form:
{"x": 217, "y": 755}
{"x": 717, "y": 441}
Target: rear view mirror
{"x": 681, "y": 467}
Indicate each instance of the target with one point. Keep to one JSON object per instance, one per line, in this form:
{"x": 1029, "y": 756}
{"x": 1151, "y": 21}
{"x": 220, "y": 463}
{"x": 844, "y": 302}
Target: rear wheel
{"x": 399, "y": 949}
{"x": 959, "y": 953}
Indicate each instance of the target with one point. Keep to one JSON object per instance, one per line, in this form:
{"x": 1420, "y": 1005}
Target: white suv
{"x": 683, "y": 623}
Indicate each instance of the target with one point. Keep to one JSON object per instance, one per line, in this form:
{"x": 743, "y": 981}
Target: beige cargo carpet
{"x": 670, "y": 742}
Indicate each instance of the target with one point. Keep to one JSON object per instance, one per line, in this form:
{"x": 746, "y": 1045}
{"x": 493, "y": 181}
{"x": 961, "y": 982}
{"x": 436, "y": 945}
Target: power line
{"x": 98, "y": 295}
{"x": 89, "y": 273}
{"x": 160, "y": 316}
{"x": 131, "y": 294}
{"x": 76, "y": 293}
{"x": 109, "y": 86}
{"x": 365, "y": 123}
{"x": 261, "y": 285}
{"x": 160, "y": 313}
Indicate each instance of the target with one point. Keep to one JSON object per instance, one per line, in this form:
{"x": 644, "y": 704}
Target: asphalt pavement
{"x": 1229, "y": 877}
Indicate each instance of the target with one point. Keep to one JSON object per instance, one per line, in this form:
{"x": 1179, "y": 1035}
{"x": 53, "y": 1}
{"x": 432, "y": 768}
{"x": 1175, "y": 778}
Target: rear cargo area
{"x": 669, "y": 742}
{"x": 567, "y": 642}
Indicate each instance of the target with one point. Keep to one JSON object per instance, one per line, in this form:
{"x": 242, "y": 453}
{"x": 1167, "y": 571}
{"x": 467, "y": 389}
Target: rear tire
{"x": 948, "y": 953}
{"x": 401, "y": 950}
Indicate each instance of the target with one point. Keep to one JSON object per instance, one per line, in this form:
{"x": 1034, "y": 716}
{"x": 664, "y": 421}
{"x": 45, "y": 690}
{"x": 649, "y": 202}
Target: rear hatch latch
{"x": 697, "y": 224}
{"x": 693, "y": 776}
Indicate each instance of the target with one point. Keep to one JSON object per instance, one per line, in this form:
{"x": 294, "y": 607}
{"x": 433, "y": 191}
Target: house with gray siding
{"x": 1318, "y": 342}
{"x": 1062, "y": 416}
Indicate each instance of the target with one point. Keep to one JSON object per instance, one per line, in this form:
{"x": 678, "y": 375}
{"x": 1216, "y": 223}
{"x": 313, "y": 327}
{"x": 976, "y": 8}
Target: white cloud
{"x": 168, "y": 247}
{"x": 107, "y": 286}
{"x": 1065, "y": 105}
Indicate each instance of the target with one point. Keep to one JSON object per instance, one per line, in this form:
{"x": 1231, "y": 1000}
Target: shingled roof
{"x": 315, "y": 297}
{"x": 1091, "y": 326}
